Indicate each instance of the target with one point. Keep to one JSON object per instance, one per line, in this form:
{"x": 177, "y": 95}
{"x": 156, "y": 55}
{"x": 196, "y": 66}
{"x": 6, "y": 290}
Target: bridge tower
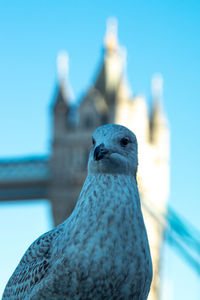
{"x": 109, "y": 100}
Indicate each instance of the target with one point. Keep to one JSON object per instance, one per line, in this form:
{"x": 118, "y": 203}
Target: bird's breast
{"x": 111, "y": 256}
{"x": 106, "y": 244}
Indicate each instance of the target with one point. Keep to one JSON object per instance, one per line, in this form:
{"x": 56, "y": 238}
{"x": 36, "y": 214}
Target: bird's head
{"x": 114, "y": 151}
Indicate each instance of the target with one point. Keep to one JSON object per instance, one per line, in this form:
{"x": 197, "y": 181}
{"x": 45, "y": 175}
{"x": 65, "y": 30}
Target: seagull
{"x": 101, "y": 250}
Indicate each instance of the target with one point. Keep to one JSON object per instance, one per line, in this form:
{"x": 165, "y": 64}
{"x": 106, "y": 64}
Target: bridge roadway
{"x": 26, "y": 178}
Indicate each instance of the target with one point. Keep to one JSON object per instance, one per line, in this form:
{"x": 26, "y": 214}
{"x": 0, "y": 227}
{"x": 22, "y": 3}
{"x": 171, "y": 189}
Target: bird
{"x": 101, "y": 250}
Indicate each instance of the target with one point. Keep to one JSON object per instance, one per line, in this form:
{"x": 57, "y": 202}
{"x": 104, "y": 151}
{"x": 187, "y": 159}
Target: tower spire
{"x": 111, "y": 37}
{"x": 62, "y": 65}
{"x": 157, "y": 88}
{"x": 64, "y": 93}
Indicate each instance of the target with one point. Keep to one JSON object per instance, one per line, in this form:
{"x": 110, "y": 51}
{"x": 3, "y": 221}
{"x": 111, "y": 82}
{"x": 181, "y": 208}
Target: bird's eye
{"x": 93, "y": 142}
{"x": 124, "y": 141}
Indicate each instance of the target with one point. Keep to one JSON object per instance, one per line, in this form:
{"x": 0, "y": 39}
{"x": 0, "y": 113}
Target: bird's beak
{"x": 100, "y": 152}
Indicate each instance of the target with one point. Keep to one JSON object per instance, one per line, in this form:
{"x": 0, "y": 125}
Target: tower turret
{"x": 98, "y": 106}
{"x": 110, "y": 74}
{"x": 131, "y": 110}
{"x": 63, "y": 132}
{"x": 64, "y": 97}
{"x": 159, "y": 124}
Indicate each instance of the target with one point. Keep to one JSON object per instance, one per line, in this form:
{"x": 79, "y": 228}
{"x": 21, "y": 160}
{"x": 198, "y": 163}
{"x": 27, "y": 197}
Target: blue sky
{"x": 160, "y": 36}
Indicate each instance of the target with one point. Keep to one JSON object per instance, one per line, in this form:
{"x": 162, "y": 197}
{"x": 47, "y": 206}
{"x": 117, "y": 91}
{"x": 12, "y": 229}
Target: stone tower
{"x": 109, "y": 100}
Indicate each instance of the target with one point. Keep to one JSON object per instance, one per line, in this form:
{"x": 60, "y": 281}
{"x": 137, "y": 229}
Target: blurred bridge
{"x": 29, "y": 178}
{"x": 26, "y": 178}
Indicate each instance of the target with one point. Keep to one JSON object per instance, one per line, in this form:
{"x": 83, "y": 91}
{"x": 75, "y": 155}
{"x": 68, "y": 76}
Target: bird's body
{"x": 101, "y": 251}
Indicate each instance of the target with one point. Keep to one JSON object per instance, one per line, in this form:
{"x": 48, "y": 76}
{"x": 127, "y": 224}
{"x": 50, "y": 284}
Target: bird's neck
{"x": 107, "y": 203}
{"x": 106, "y": 190}
{"x": 108, "y": 181}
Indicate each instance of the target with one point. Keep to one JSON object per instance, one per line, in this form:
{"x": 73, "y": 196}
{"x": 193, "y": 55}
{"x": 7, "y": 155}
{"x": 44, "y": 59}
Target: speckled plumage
{"x": 101, "y": 251}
